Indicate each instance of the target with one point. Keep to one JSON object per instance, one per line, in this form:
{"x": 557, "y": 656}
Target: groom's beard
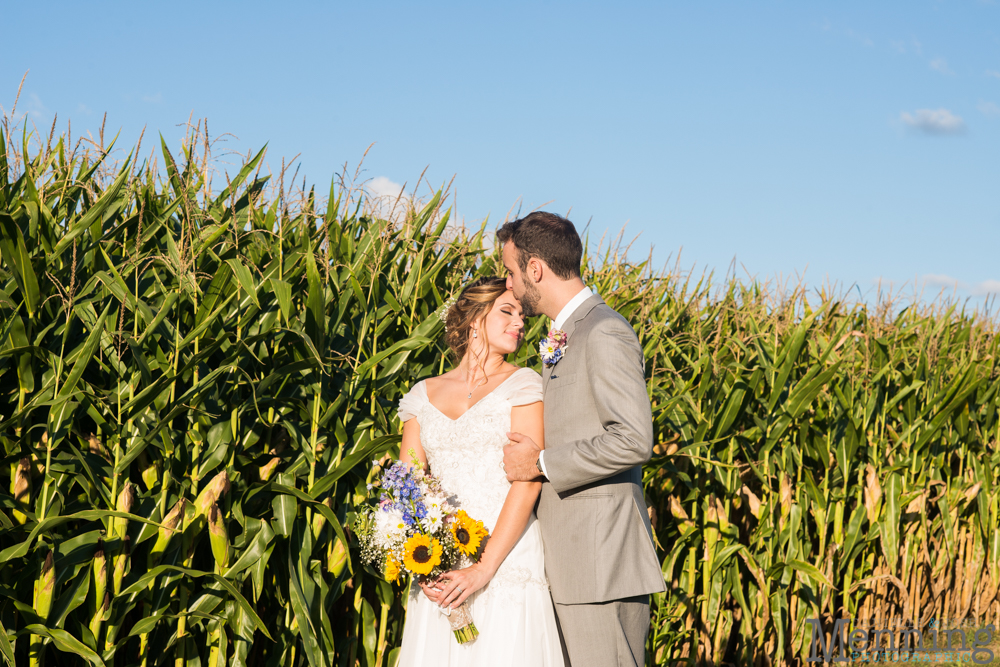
{"x": 529, "y": 300}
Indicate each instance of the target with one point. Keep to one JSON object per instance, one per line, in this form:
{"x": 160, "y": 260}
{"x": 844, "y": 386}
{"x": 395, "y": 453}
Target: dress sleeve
{"x": 411, "y": 404}
{"x": 524, "y": 387}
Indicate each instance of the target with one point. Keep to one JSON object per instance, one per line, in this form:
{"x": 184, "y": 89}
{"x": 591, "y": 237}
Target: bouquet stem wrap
{"x": 460, "y": 619}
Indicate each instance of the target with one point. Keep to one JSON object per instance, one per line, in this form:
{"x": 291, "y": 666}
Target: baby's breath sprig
{"x": 442, "y": 312}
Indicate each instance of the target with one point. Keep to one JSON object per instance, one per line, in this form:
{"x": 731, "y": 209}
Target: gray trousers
{"x": 606, "y": 634}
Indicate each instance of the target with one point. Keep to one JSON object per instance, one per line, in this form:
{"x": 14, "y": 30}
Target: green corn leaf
{"x": 5, "y": 648}
{"x": 20, "y": 550}
{"x": 369, "y": 638}
{"x": 283, "y": 292}
{"x": 889, "y": 526}
{"x": 786, "y": 360}
{"x": 300, "y": 608}
{"x": 222, "y": 201}
{"x": 853, "y": 534}
{"x": 66, "y": 643}
{"x": 245, "y": 279}
{"x": 285, "y": 507}
{"x": 253, "y": 553}
{"x": 85, "y": 355}
{"x": 108, "y": 199}
{"x": 70, "y": 599}
{"x": 375, "y": 448}
{"x": 143, "y": 581}
{"x": 15, "y": 255}
{"x": 810, "y": 571}
{"x": 243, "y": 604}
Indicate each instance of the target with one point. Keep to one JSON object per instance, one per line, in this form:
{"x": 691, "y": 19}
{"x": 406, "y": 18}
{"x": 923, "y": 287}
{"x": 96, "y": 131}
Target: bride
{"x": 456, "y": 424}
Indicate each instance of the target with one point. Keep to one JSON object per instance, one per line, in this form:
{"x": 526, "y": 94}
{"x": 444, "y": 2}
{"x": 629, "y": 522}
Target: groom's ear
{"x": 536, "y": 269}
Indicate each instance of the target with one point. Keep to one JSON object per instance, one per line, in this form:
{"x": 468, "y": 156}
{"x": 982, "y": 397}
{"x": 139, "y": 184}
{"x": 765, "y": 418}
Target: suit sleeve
{"x": 618, "y": 386}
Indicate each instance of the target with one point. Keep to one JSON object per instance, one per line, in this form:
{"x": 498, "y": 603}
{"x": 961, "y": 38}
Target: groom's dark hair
{"x": 547, "y": 236}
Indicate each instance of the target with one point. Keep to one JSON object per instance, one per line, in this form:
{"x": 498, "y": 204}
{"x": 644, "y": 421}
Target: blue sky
{"x": 844, "y": 141}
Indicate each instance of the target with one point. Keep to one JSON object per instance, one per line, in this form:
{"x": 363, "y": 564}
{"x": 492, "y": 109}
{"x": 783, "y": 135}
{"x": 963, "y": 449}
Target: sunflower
{"x": 468, "y": 533}
{"x": 423, "y": 554}
{"x": 391, "y": 569}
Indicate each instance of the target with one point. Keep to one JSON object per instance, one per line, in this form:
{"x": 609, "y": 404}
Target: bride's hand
{"x": 460, "y": 584}
{"x": 432, "y": 589}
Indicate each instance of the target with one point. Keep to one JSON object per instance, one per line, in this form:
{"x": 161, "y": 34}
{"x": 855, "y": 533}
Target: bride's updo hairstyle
{"x": 474, "y": 302}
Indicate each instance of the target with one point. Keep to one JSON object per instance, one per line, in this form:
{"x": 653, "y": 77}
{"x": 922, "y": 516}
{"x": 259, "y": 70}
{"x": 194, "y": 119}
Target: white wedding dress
{"x": 513, "y": 613}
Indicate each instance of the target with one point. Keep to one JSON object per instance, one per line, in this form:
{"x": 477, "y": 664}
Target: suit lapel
{"x": 578, "y": 316}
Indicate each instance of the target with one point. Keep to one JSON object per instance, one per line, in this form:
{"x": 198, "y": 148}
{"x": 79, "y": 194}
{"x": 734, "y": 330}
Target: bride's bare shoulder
{"x": 442, "y": 380}
{"x": 450, "y": 376}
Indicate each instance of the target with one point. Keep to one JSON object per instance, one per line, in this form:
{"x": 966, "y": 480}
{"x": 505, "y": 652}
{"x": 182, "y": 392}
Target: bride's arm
{"x": 411, "y": 441}
{"x": 510, "y": 525}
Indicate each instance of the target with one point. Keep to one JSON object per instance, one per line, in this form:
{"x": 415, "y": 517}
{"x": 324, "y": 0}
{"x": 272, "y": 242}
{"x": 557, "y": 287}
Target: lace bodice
{"x": 465, "y": 453}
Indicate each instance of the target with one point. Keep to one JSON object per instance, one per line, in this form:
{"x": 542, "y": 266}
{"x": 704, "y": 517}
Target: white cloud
{"x": 988, "y": 108}
{"x": 986, "y": 287}
{"x": 941, "y": 281}
{"x": 153, "y": 99}
{"x": 992, "y": 72}
{"x": 387, "y": 199}
{"x": 382, "y": 186}
{"x": 947, "y": 283}
{"x": 859, "y": 37}
{"x": 35, "y": 106}
{"x": 934, "y": 121}
{"x": 941, "y": 65}
{"x": 904, "y": 46}
{"x": 850, "y": 33}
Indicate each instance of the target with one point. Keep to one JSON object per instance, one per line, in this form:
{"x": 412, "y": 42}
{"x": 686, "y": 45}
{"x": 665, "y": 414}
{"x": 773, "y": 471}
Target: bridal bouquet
{"x": 416, "y": 528}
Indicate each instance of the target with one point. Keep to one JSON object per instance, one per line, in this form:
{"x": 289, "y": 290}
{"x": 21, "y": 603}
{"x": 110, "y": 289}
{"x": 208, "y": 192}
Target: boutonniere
{"x": 553, "y": 348}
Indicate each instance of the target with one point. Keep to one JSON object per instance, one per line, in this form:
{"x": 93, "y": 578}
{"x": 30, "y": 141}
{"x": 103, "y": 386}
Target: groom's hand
{"x": 519, "y": 458}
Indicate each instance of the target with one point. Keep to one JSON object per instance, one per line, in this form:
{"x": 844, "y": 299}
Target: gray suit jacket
{"x": 598, "y": 433}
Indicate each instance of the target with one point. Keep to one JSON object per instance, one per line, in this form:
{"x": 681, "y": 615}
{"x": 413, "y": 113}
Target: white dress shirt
{"x": 558, "y": 323}
{"x": 571, "y": 307}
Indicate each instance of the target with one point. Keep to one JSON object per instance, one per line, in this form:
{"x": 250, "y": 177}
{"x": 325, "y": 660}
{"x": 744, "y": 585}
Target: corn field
{"x": 195, "y": 381}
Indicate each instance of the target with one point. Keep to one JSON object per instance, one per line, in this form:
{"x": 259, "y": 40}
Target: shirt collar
{"x": 571, "y": 307}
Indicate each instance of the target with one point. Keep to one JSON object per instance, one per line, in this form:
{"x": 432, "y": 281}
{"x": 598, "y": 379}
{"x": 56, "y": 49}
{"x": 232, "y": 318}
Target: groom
{"x": 599, "y": 554}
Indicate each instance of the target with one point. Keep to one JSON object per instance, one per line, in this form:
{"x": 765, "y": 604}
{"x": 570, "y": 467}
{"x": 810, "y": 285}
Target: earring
{"x": 475, "y": 334}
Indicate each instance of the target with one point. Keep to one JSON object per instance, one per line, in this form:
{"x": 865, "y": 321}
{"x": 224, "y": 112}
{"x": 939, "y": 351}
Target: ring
{"x": 459, "y": 589}
{"x": 503, "y": 467}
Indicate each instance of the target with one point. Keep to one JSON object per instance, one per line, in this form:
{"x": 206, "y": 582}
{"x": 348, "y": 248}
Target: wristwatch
{"x": 538, "y": 464}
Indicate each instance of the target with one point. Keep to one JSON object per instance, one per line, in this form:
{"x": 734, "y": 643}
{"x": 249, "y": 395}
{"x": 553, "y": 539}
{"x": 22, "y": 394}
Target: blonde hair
{"x": 474, "y": 302}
